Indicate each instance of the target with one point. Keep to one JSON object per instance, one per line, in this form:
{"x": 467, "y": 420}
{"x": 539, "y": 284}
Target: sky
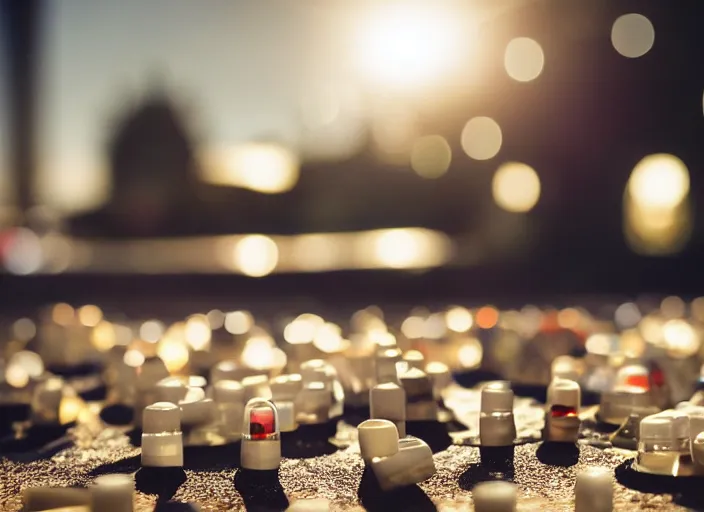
{"x": 242, "y": 69}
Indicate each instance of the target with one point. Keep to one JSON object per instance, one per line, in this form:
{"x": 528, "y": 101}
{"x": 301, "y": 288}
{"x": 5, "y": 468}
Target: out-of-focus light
{"x": 516, "y": 187}
{"x": 459, "y": 319}
{"x": 262, "y": 167}
{"x": 680, "y": 338}
{"x": 216, "y": 319}
{"x": 31, "y": 363}
{"x": 407, "y": 248}
{"x": 151, "y": 331}
{"x": 394, "y": 129}
{"x": 133, "y": 358}
{"x": 103, "y": 336}
{"x": 431, "y": 156}
{"x": 238, "y": 322}
{"x": 23, "y": 254}
{"x": 599, "y": 344}
{"x": 315, "y": 252}
{"x": 657, "y": 231}
{"x": 632, "y": 344}
{"x": 24, "y": 329}
{"x": 90, "y": 315}
{"x": 569, "y": 318}
{"x": 470, "y": 353}
{"x": 650, "y": 328}
{"x": 524, "y": 59}
{"x": 70, "y": 409}
{"x": 328, "y": 339}
{"x": 256, "y": 255}
{"x": 198, "y": 333}
{"x": 174, "y": 353}
{"x": 260, "y": 353}
{"x": 382, "y": 338}
{"x": 672, "y": 307}
{"x": 659, "y": 181}
{"x": 303, "y": 329}
{"x": 368, "y": 320}
{"x": 487, "y": 317}
{"x": 320, "y": 107}
{"x": 632, "y": 35}
{"x": 62, "y": 314}
{"x": 434, "y": 327}
{"x": 627, "y": 315}
{"x": 412, "y": 327}
{"x": 481, "y": 138}
{"x": 406, "y": 46}
{"x": 16, "y": 376}
{"x": 123, "y": 334}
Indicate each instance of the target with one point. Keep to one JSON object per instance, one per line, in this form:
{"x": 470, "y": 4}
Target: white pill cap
{"x": 171, "y": 389}
{"x": 161, "y": 417}
{"x": 311, "y": 369}
{"x": 228, "y": 392}
{"x": 416, "y": 383}
{"x": 495, "y": 496}
{"x": 666, "y": 427}
{"x": 594, "y": 490}
{"x": 698, "y": 449}
{"x": 310, "y": 505}
{"x": 564, "y": 392}
{"x": 565, "y": 367}
{"x": 286, "y": 387}
{"x": 315, "y": 395}
{"x": 497, "y": 397}
{"x": 377, "y": 438}
{"x": 151, "y": 372}
{"x": 414, "y": 358}
{"x": 113, "y": 493}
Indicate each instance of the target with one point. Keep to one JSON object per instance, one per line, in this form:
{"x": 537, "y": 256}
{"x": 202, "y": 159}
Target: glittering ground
{"x": 211, "y": 478}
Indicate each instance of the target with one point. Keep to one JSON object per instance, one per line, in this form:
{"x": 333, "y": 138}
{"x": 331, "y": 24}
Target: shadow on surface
{"x": 128, "y": 465}
{"x": 374, "y": 499}
{"x": 117, "y": 414}
{"x": 261, "y": 490}
{"x": 496, "y": 464}
{"x": 563, "y": 455}
{"x": 163, "y": 482}
{"x": 211, "y": 458}
{"x": 175, "y": 506}
{"x": 432, "y": 432}
{"x": 295, "y": 446}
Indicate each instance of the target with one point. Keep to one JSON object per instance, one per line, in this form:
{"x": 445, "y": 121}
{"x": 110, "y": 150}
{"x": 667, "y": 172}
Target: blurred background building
{"x": 496, "y": 148}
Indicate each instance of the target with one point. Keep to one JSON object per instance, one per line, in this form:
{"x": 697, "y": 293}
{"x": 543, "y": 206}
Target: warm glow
{"x": 90, "y": 315}
{"x": 103, "y": 336}
{"x": 481, "y": 138}
{"x": 434, "y": 327}
{"x": 632, "y": 344}
{"x": 569, "y": 318}
{"x": 659, "y": 181}
{"x": 431, "y": 156}
{"x": 315, "y": 252}
{"x": 62, "y": 314}
{"x": 256, "y": 255}
{"x": 151, "y": 331}
{"x": 599, "y": 344}
{"x": 651, "y": 329}
{"x": 260, "y": 353}
{"x": 406, "y": 248}
{"x": 404, "y": 46}
{"x": 70, "y": 409}
{"x": 262, "y": 167}
{"x": 198, "y": 332}
{"x": 173, "y": 352}
{"x": 303, "y": 329}
{"x": 133, "y": 358}
{"x": 487, "y": 317}
{"x": 16, "y": 376}
{"x": 524, "y": 59}
{"x": 328, "y": 339}
{"x": 30, "y": 362}
{"x": 412, "y": 327}
{"x": 238, "y": 322}
{"x": 382, "y": 338}
{"x": 470, "y": 353}
{"x": 681, "y": 339}
{"x": 632, "y": 35}
{"x": 459, "y": 319}
{"x": 216, "y": 319}
{"x": 516, "y": 187}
